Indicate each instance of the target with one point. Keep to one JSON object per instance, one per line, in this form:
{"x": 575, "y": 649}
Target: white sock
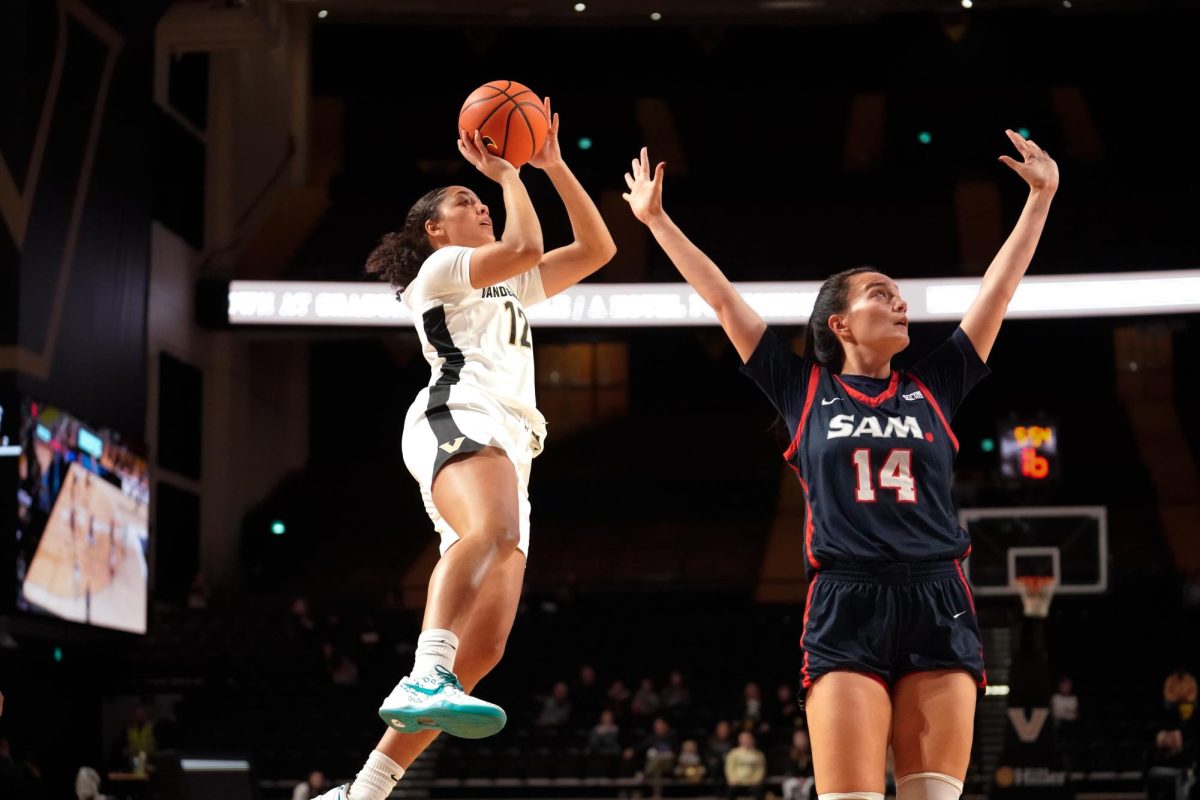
{"x": 928, "y": 786}
{"x": 435, "y": 648}
{"x": 851, "y": 796}
{"x": 376, "y": 779}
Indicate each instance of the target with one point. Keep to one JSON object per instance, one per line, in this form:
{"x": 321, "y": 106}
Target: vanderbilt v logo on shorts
{"x": 452, "y": 447}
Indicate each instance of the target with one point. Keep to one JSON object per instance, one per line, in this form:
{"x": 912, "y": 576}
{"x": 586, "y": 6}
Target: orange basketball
{"x": 510, "y": 119}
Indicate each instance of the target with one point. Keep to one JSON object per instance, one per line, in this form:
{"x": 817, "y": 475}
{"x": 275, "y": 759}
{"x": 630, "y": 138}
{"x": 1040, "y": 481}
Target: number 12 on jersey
{"x": 896, "y": 474}
{"x": 513, "y": 313}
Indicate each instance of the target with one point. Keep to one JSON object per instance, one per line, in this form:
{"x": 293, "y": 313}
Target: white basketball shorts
{"x": 435, "y": 432}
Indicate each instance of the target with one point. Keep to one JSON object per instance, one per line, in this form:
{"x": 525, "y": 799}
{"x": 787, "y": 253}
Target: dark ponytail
{"x": 821, "y": 344}
{"x": 400, "y": 254}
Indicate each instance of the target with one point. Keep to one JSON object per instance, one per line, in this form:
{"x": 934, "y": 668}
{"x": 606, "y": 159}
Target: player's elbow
{"x": 723, "y": 302}
{"x": 525, "y": 253}
{"x": 606, "y": 252}
{"x": 596, "y": 255}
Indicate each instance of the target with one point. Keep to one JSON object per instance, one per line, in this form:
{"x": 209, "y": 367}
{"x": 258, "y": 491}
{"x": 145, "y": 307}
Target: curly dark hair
{"x": 822, "y": 344}
{"x": 400, "y": 254}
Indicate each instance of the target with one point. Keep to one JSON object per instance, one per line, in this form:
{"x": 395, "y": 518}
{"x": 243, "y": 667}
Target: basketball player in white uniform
{"x": 471, "y": 434}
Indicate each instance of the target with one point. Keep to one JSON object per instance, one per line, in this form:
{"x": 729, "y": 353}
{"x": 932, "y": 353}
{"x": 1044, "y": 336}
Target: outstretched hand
{"x": 474, "y": 150}
{"x": 1036, "y": 167}
{"x": 645, "y": 190}
{"x": 550, "y": 155}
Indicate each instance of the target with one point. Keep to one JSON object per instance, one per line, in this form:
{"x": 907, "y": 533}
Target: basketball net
{"x": 1036, "y": 593}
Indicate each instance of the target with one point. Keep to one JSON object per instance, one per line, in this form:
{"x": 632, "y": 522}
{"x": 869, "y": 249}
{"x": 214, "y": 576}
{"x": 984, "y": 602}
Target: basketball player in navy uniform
{"x": 891, "y": 646}
{"x": 472, "y": 433}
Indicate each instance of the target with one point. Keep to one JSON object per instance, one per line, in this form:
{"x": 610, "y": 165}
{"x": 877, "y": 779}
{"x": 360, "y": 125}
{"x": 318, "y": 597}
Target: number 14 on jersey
{"x": 895, "y": 474}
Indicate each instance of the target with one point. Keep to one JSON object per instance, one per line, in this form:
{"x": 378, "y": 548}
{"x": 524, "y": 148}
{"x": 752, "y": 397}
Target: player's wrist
{"x": 657, "y": 221}
{"x": 507, "y": 177}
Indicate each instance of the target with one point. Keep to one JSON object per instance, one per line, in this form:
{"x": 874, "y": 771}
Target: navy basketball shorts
{"x": 890, "y": 620}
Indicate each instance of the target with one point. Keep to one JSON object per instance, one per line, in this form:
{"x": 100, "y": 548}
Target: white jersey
{"x": 476, "y": 340}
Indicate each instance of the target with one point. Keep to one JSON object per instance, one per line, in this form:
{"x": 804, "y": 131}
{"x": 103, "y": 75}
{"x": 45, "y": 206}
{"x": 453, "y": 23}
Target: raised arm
{"x": 742, "y": 324}
{"x": 983, "y": 318}
{"x": 593, "y": 246}
{"x": 519, "y": 249}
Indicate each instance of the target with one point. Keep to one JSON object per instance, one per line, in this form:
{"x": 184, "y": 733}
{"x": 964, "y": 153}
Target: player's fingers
{"x": 629, "y": 181}
{"x": 1018, "y": 142}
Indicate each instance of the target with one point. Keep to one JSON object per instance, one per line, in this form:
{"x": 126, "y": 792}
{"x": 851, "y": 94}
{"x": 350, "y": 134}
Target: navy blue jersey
{"x": 875, "y": 457}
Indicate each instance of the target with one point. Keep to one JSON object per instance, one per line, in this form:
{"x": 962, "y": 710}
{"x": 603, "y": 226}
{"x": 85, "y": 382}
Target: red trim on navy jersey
{"x": 877, "y": 399}
{"x": 813, "y": 379}
{"x": 971, "y": 600}
{"x": 929, "y": 396}
{"x": 807, "y": 680}
{"x": 808, "y": 526}
{"x": 963, "y": 579}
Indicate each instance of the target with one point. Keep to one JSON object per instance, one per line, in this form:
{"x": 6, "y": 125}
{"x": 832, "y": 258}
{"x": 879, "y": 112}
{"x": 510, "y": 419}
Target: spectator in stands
{"x": 587, "y": 698}
{"x": 140, "y": 742}
{"x": 1, "y": 704}
{"x": 300, "y": 622}
{"x": 556, "y": 708}
{"x": 1064, "y": 709}
{"x": 690, "y": 766}
{"x": 786, "y": 713}
{"x": 87, "y": 785}
{"x": 676, "y": 698}
{"x": 342, "y": 669}
{"x": 719, "y": 744}
{"x": 618, "y": 698}
{"x": 646, "y": 702}
{"x": 312, "y": 787}
{"x": 660, "y": 748}
{"x": 1172, "y": 764}
{"x": 745, "y": 768}
{"x": 798, "y": 777}
{"x": 1179, "y": 689}
{"x": 605, "y": 736}
{"x": 751, "y": 711}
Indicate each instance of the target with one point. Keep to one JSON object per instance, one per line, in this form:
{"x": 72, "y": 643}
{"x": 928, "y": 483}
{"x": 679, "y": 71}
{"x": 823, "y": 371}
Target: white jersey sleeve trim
{"x": 529, "y": 287}
{"x": 446, "y": 272}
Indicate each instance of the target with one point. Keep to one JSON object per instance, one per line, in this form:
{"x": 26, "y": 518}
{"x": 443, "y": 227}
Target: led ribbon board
{"x": 593, "y": 305}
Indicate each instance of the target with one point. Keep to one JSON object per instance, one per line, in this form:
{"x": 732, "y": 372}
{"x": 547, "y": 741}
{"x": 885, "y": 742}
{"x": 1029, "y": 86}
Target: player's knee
{"x": 505, "y": 536}
{"x": 498, "y": 536}
{"x": 928, "y": 786}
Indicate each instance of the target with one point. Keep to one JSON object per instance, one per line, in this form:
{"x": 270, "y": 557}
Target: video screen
{"x": 83, "y": 510}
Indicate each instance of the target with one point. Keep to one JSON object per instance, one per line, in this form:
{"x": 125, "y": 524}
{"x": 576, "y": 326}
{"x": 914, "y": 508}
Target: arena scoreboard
{"x": 1029, "y": 450}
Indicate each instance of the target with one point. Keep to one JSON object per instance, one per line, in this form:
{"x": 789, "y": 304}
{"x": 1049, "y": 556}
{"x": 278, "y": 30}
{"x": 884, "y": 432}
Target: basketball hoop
{"x": 1036, "y": 593}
